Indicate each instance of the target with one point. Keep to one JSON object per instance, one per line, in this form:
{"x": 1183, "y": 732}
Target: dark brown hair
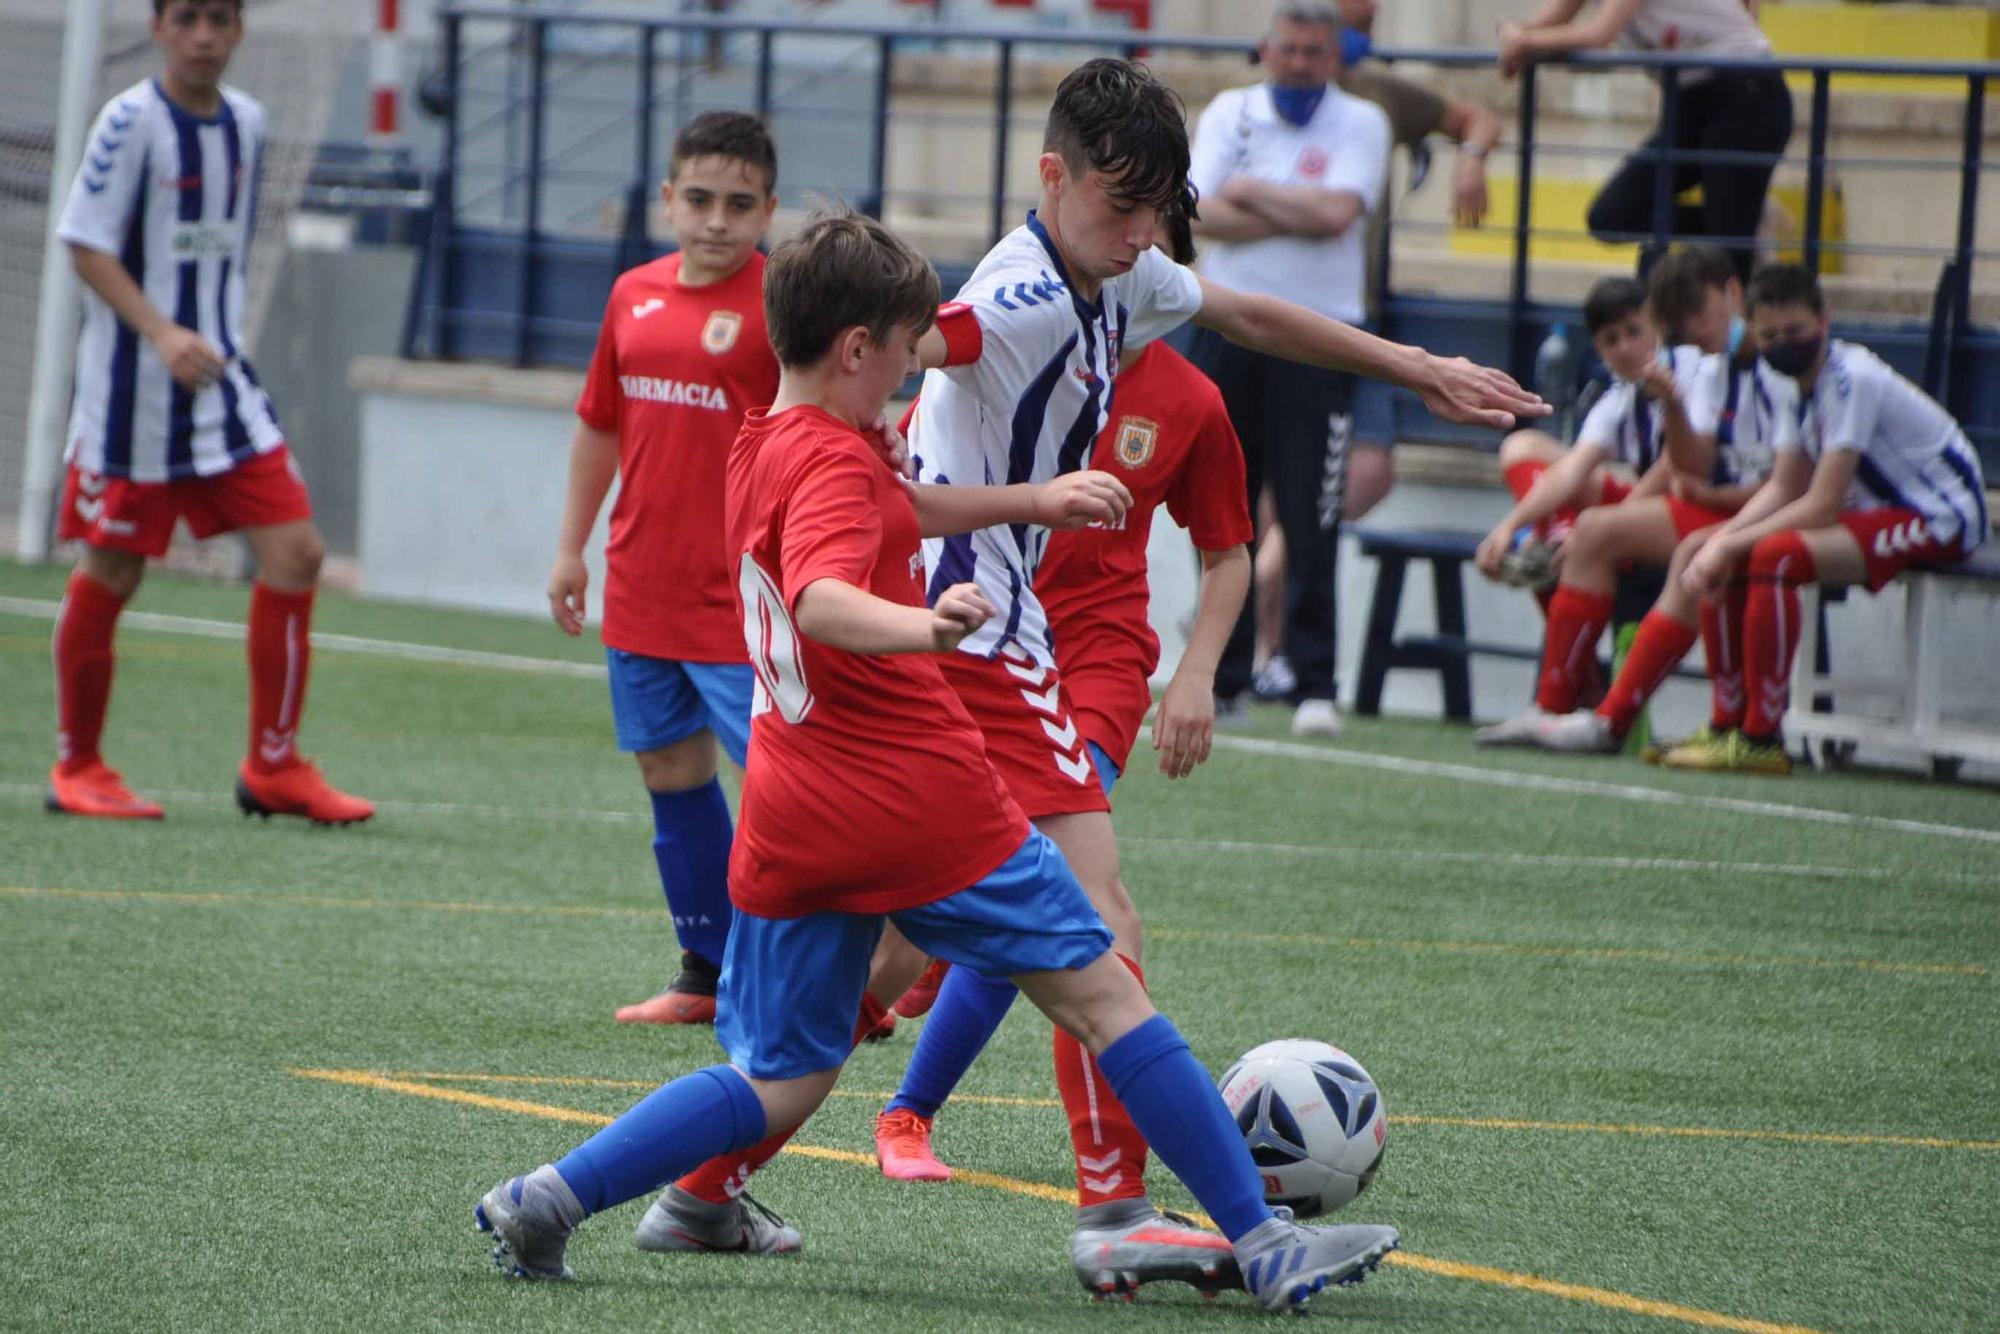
{"x": 1680, "y": 283}
{"x": 1786, "y": 285}
{"x": 1114, "y": 118}
{"x": 1610, "y": 300}
{"x": 160, "y": 6}
{"x": 727, "y": 134}
{"x": 843, "y": 269}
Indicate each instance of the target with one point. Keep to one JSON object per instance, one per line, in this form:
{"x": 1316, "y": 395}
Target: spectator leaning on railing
{"x": 1716, "y": 110}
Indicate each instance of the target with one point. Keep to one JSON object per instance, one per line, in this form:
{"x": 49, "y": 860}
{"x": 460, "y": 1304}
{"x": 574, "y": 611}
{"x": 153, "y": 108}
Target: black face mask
{"x": 1793, "y": 356}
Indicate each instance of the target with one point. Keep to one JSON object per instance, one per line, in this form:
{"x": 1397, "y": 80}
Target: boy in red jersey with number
{"x": 681, "y": 357}
{"x": 169, "y": 420}
{"x": 855, "y": 728}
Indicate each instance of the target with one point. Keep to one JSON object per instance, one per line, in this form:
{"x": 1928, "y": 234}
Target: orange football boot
{"x": 923, "y": 992}
{"x": 299, "y": 790}
{"x": 96, "y": 791}
{"x": 688, "y": 999}
{"x": 903, "y": 1147}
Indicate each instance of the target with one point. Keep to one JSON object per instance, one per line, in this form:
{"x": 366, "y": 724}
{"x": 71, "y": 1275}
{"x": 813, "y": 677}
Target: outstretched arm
{"x": 1074, "y": 500}
{"x": 834, "y": 612}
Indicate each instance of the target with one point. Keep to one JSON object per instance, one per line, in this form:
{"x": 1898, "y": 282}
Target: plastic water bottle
{"x": 1555, "y": 379}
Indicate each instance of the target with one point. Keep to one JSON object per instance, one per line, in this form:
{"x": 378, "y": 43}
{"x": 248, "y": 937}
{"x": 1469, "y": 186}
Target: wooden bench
{"x": 1914, "y": 723}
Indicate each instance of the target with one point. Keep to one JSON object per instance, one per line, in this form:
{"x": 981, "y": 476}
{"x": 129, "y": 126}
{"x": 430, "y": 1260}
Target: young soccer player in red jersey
{"x": 1878, "y": 478}
{"x": 169, "y": 421}
{"x": 681, "y": 357}
{"x": 855, "y": 728}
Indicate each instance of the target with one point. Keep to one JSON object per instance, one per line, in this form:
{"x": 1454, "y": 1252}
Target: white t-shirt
{"x": 1627, "y": 425}
{"x": 1030, "y": 408}
{"x": 1345, "y": 146}
{"x": 1708, "y": 27}
{"x": 1751, "y": 410}
{"x": 173, "y": 195}
{"x": 1913, "y": 455}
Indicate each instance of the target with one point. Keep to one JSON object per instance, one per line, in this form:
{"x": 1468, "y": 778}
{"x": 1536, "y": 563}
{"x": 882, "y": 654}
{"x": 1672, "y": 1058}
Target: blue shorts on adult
{"x": 658, "y": 701}
{"x": 791, "y": 986}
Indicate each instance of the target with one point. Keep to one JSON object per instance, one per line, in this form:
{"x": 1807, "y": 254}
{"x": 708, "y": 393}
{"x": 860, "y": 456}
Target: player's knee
{"x": 1114, "y": 904}
{"x": 1527, "y": 447}
{"x": 1371, "y": 473}
{"x": 1782, "y": 556}
{"x": 680, "y": 766}
{"x": 295, "y": 562}
{"x": 1595, "y": 533}
{"x": 119, "y": 571}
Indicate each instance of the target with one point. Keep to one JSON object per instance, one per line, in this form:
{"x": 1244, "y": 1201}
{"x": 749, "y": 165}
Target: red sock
{"x": 280, "y": 648}
{"x": 1778, "y": 565}
{"x": 1722, "y": 642}
{"x": 1110, "y": 1152}
{"x": 1520, "y": 477}
{"x": 84, "y": 629}
{"x": 1661, "y": 642}
{"x": 1576, "y": 619}
{"x": 723, "y": 1177}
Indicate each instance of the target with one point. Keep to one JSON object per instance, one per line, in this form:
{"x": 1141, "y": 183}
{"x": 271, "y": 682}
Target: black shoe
{"x": 697, "y": 977}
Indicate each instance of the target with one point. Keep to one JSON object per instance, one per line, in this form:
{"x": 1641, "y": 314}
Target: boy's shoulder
{"x": 247, "y": 109}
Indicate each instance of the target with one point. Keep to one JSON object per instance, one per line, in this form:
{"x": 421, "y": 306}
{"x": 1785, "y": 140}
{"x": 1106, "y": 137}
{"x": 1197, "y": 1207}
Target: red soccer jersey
{"x": 1169, "y": 440}
{"x": 675, "y": 370}
{"x": 868, "y": 787}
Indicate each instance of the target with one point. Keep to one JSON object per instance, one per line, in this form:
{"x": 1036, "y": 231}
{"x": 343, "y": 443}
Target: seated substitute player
{"x": 1170, "y": 441}
{"x": 169, "y": 421}
{"x": 1737, "y": 413}
{"x": 855, "y": 727}
{"x": 1878, "y": 478}
{"x": 681, "y": 357}
{"x": 1708, "y": 484}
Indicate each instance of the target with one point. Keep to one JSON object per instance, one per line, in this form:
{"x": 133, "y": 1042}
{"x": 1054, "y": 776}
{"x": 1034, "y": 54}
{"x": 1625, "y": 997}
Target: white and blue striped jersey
{"x": 1627, "y": 425}
{"x": 1750, "y": 409}
{"x": 1913, "y": 455}
{"x": 173, "y": 196}
{"x": 1030, "y": 408}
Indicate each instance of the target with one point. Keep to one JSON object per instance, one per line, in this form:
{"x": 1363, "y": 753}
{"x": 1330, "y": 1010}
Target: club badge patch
{"x": 719, "y": 334}
{"x": 1136, "y": 440}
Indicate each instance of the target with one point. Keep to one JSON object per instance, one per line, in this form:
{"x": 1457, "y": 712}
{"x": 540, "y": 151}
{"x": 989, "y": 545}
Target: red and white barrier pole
{"x": 385, "y": 77}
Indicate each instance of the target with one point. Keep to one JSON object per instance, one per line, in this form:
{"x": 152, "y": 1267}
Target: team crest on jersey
{"x": 1313, "y": 161}
{"x": 719, "y": 334}
{"x": 1137, "y": 438}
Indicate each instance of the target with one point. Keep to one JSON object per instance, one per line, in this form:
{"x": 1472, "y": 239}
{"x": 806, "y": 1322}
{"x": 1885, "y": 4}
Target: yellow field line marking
{"x": 1168, "y": 934}
{"x": 1506, "y": 1278}
{"x": 1397, "y": 1118}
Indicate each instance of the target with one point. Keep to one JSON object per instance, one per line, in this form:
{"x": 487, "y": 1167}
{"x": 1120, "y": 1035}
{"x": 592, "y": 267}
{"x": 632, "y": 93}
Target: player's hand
{"x": 1657, "y": 383}
{"x": 1513, "y": 49}
{"x": 1184, "y": 726}
{"x": 895, "y": 450}
{"x": 567, "y": 582}
{"x": 1708, "y": 573}
{"x": 1491, "y": 548}
{"x": 1078, "y": 499}
{"x": 1468, "y": 191}
{"x": 191, "y": 359}
{"x": 1463, "y": 391}
{"x": 959, "y": 611}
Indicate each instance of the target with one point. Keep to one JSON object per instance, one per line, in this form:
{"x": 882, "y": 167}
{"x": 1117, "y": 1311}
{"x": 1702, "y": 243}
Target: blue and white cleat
{"x": 678, "y": 1221}
{"x": 532, "y": 1216}
{"x": 1285, "y": 1263}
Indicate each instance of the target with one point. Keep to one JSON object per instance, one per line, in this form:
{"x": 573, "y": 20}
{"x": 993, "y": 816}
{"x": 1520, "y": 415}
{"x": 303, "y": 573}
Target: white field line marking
{"x": 1359, "y": 759}
{"x": 378, "y": 648}
{"x": 559, "y": 814}
{"x": 1514, "y": 778}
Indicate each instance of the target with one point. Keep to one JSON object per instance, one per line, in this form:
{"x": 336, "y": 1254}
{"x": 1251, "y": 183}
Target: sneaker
{"x": 532, "y": 1217}
{"x": 1530, "y": 565}
{"x": 1275, "y": 680}
{"x": 97, "y": 792}
{"x": 298, "y": 789}
{"x": 1741, "y": 755}
{"x": 923, "y": 994}
{"x": 1707, "y": 751}
{"x": 1656, "y": 751}
{"x": 1122, "y": 1244}
{"x": 1285, "y": 1263}
{"x": 1581, "y": 733}
{"x": 903, "y": 1147}
{"x": 678, "y": 1221}
{"x": 1520, "y": 730}
{"x": 688, "y": 999}
{"x": 1316, "y": 717}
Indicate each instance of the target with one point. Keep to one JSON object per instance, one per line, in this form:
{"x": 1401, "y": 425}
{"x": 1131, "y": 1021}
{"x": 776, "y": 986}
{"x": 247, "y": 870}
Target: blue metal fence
{"x": 499, "y": 282}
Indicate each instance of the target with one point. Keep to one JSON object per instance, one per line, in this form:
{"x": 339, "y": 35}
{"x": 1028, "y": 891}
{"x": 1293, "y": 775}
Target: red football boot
{"x": 923, "y": 993}
{"x": 883, "y": 1031}
{"x": 298, "y": 790}
{"x": 96, "y": 791}
{"x": 903, "y": 1147}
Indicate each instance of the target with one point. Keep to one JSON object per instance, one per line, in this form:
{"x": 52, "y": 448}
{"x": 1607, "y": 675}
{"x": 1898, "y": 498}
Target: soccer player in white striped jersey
{"x": 169, "y": 421}
{"x": 1024, "y": 365}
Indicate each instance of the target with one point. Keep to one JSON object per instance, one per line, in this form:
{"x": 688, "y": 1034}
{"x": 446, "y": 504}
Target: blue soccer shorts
{"x": 791, "y": 986}
{"x": 658, "y": 701}
{"x": 1107, "y": 768}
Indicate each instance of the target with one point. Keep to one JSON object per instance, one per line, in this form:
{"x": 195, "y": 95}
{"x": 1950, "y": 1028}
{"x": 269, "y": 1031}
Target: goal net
{"x": 293, "y": 59}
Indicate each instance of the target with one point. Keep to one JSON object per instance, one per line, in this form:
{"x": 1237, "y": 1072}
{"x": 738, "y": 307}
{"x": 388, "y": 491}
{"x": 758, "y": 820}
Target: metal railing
{"x": 524, "y": 315}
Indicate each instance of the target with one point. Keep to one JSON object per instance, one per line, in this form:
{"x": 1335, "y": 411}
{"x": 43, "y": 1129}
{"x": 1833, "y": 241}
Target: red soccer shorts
{"x": 119, "y": 514}
{"x": 1892, "y": 540}
{"x": 1616, "y": 490}
{"x": 1031, "y": 735}
{"x": 1690, "y": 518}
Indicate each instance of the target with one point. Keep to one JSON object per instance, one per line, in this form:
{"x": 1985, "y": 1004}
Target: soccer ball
{"x": 1313, "y": 1120}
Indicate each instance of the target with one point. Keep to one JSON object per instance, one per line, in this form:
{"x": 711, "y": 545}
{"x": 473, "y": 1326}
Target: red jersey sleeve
{"x": 1208, "y": 496}
{"x": 832, "y": 528}
{"x": 598, "y": 405}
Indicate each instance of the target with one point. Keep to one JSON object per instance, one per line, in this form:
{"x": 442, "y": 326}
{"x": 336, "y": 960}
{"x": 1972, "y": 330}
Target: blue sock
{"x": 674, "y": 1129}
{"x": 691, "y": 840}
{"x": 1174, "y": 1104}
{"x": 969, "y": 1008}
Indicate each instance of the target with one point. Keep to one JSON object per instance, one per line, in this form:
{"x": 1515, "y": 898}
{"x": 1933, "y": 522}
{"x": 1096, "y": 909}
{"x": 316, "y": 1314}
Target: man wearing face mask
{"x": 1288, "y": 171}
